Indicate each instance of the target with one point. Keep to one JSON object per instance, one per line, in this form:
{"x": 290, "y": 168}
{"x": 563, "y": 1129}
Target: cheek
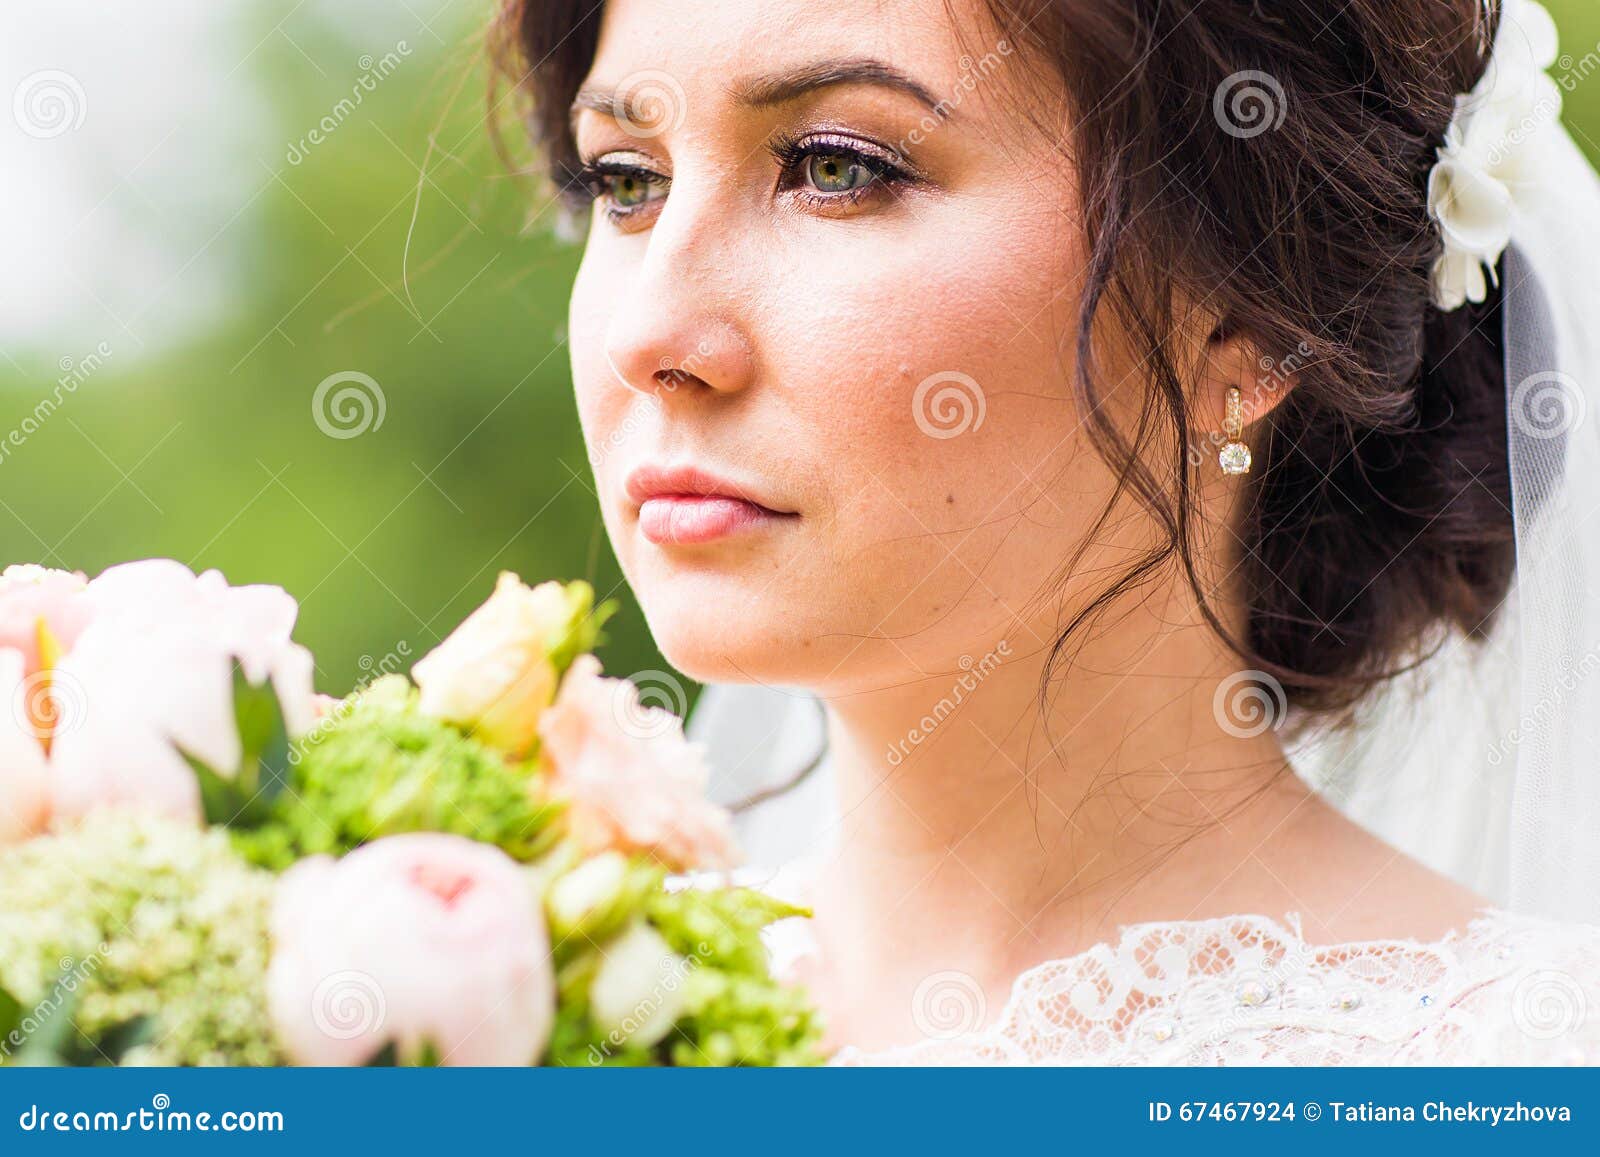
{"x": 939, "y": 396}
{"x": 611, "y": 414}
{"x": 601, "y": 401}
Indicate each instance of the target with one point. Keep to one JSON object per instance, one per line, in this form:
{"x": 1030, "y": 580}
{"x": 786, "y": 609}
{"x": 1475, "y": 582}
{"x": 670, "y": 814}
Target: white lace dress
{"x": 1249, "y": 990}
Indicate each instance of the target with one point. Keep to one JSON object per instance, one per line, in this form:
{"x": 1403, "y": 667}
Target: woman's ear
{"x": 1231, "y": 359}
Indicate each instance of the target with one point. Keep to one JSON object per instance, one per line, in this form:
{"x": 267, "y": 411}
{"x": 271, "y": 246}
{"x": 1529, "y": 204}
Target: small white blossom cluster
{"x": 131, "y": 915}
{"x": 1492, "y": 154}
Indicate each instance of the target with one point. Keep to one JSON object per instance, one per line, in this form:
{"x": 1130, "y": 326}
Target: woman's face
{"x": 817, "y": 337}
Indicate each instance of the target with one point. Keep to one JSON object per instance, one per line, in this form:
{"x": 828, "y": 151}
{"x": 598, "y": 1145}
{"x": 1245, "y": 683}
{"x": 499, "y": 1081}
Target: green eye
{"x": 836, "y": 173}
{"x": 630, "y": 190}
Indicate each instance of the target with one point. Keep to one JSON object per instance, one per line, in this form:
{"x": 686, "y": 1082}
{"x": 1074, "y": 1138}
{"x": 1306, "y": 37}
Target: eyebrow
{"x": 790, "y": 85}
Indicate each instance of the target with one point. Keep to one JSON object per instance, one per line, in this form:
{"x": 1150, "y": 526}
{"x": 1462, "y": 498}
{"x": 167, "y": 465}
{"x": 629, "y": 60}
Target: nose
{"x": 676, "y": 328}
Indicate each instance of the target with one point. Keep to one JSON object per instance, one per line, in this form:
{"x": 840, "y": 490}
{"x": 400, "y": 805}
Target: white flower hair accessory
{"x": 1491, "y": 158}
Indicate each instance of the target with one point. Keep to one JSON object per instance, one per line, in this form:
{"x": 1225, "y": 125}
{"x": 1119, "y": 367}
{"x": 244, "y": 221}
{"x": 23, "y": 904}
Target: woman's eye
{"x": 837, "y": 173}
{"x": 631, "y": 190}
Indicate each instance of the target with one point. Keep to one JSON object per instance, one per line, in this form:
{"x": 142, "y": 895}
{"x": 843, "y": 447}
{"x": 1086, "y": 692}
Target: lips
{"x": 689, "y": 505}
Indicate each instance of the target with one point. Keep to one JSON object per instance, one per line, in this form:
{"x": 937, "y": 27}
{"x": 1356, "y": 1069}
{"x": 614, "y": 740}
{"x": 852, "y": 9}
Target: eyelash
{"x": 791, "y": 154}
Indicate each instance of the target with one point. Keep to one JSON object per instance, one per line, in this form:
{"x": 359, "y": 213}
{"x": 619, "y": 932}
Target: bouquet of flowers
{"x": 204, "y": 862}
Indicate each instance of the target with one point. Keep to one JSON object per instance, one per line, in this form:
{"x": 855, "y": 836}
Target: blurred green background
{"x": 181, "y": 251}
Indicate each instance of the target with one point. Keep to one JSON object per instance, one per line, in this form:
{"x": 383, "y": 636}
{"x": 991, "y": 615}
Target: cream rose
{"x": 494, "y": 673}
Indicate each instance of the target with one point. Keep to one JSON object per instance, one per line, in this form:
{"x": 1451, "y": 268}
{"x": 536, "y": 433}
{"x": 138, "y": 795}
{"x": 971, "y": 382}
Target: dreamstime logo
{"x": 371, "y": 671}
{"x": 1548, "y": 405}
{"x": 972, "y": 71}
{"x": 1276, "y": 375}
{"x": 672, "y": 973}
{"x": 947, "y": 1005}
{"x": 1249, "y": 703}
{"x": 1250, "y": 103}
{"x": 372, "y": 72}
{"x": 74, "y": 372}
{"x": 70, "y": 974}
{"x": 669, "y": 377}
{"x": 650, "y": 704}
{"x": 49, "y": 703}
{"x": 948, "y": 404}
{"x": 972, "y": 674}
{"x": 348, "y": 404}
{"x": 389, "y": 664}
{"x": 347, "y": 1005}
{"x": 650, "y": 103}
{"x": 1547, "y": 1004}
{"x": 49, "y": 104}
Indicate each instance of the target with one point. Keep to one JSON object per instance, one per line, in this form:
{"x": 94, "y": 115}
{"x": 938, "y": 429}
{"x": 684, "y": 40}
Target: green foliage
{"x": 379, "y": 767}
{"x": 245, "y": 798}
{"x": 735, "y": 1012}
{"x": 586, "y": 633}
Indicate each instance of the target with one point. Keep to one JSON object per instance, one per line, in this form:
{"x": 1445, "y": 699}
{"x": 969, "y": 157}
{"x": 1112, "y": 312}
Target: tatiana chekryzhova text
{"x": 1444, "y": 1111}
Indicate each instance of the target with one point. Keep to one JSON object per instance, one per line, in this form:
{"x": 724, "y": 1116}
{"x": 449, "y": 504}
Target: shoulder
{"x": 1350, "y": 884}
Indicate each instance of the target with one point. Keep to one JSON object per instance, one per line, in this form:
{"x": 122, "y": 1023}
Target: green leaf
{"x": 388, "y": 1057}
{"x": 119, "y": 1040}
{"x": 583, "y": 630}
{"x": 10, "y": 1014}
{"x": 263, "y": 736}
{"x": 246, "y": 800}
{"x": 51, "y": 1044}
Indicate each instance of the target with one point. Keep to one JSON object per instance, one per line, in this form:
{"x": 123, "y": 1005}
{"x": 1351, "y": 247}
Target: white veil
{"x": 1485, "y": 762}
{"x": 1486, "y": 765}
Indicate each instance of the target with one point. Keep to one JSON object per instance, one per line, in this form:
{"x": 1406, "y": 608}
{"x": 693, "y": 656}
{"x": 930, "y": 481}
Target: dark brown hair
{"x": 1270, "y": 161}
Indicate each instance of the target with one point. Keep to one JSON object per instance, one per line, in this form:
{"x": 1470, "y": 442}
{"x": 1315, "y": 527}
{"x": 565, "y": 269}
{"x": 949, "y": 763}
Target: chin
{"x": 722, "y": 629}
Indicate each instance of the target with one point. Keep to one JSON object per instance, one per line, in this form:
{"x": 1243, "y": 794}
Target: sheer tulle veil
{"x": 1484, "y": 762}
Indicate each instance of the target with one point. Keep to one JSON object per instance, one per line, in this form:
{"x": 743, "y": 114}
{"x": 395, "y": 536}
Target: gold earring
{"x": 1234, "y": 457}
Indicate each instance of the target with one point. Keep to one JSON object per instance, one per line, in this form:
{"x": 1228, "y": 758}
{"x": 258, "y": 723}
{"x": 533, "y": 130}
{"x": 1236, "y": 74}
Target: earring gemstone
{"x": 1234, "y": 458}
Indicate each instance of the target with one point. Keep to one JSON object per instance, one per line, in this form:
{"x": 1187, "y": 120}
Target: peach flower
{"x": 412, "y": 940}
{"x": 631, "y": 779}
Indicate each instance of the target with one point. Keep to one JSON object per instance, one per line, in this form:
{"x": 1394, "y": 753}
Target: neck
{"x": 1033, "y": 824}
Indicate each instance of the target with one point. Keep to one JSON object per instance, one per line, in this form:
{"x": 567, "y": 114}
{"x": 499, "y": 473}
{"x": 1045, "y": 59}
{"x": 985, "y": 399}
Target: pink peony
{"x": 35, "y": 600}
{"x": 632, "y": 781}
{"x": 146, "y": 660}
{"x": 24, "y": 782}
{"x": 415, "y": 940}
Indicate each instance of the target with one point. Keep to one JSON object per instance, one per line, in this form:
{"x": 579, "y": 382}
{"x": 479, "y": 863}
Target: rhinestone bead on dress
{"x": 1347, "y": 1001}
{"x": 1160, "y": 1031}
{"x": 1426, "y": 1000}
{"x": 1251, "y": 993}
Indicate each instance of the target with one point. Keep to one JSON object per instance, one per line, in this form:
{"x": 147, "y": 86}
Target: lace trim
{"x": 1249, "y": 989}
